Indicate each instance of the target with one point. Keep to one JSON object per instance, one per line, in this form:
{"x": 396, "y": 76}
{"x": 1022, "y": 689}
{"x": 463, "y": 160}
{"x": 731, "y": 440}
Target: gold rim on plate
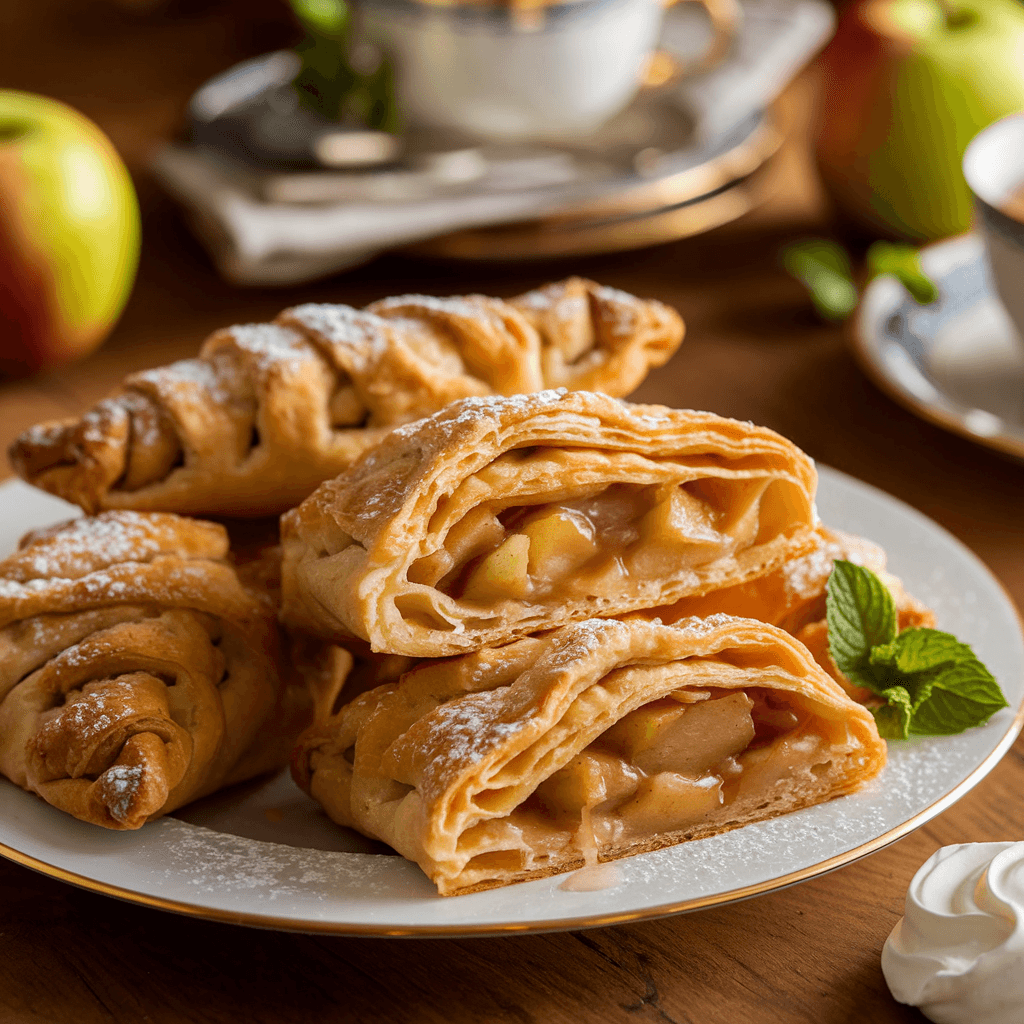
{"x": 256, "y": 920}
{"x": 536, "y": 927}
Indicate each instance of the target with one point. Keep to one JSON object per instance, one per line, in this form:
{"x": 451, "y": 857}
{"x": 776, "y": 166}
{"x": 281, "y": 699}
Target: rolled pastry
{"x": 793, "y": 597}
{"x": 596, "y": 741}
{"x": 268, "y": 411}
{"x": 137, "y": 672}
{"x": 499, "y": 517}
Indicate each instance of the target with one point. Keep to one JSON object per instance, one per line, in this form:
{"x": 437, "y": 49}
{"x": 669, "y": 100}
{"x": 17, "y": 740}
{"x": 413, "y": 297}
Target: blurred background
{"x": 762, "y": 164}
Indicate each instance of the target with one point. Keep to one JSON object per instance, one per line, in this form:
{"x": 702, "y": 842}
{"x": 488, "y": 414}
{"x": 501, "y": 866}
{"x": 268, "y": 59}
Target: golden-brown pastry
{"x": 793, "y": 597}
{"x": 268, "y": 411}
{"x": 596, "y": 741}
{"x": 137, "y": 671}
{"x": 499, "y": 517}
{"x": 335, "y": 674}
{"x": 595, "y": 338}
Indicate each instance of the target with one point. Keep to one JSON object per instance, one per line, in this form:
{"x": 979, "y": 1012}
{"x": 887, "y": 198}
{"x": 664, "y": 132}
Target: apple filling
{"x": 595, "y": 544}
{"x": 671, "y": 767}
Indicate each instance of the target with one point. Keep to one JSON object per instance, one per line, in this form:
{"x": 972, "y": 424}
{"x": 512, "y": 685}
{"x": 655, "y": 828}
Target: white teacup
{"x": 994, "y": 169}
{"x": 513, "y": 73}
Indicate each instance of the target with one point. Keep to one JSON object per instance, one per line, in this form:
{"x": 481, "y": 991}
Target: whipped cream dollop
{"x": 958, "y": 952}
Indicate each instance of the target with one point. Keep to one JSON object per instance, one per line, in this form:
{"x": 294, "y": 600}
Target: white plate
{"x": 957, "y": 362}
{"x": 263, "y": 854}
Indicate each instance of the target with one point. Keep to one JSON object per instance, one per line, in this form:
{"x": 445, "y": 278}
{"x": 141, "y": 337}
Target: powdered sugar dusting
{"x": 624, "y": 315}
{"x": 12, "y": 589}
{"x": 94, "y": 428}
{"x": 554, "y": 300}
{"x": 697, "y": 627}
{"x": 580, "y": 641}
{"x": 87, "y": 717}
{"x": 434, "y": 435}
{"x": 80, "y": 546}
{"x": 363, "y": 335}
{"x": 465, "y": 307}
{"x": 120, "y": 785}
{"x": 44, "y": 435}
{"x": 150, "y": 425}
{"x": 273, "y": 347}
{"x": 470, "y": 410}
{"x": 195, "y": 372}
{"x": 204, "y": 864}
{"x": 461, "y": 732}
{"x": 806, "y": 576}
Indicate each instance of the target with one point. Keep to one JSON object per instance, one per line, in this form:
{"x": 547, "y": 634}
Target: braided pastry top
{"x": 137, "y": 672}
{"x": 269, "y": 411}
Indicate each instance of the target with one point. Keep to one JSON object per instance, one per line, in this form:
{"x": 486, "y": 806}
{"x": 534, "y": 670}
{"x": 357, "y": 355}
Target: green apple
{"x": 908, "y": 83}
{"x": 69, "y": 233}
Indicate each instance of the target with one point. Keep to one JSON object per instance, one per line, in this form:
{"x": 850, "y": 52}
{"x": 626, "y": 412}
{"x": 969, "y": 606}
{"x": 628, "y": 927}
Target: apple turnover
{"x": 595, "y": 741}
{"x": 137, "y": 671}
{"x": 268, "y": 411}
{"x": 499, "y": 517}
{"x": 793, "y": 597}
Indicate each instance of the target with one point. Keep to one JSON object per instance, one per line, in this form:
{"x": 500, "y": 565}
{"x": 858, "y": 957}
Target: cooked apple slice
{"x": 560, "y": 541}
{"x": 687, "y": 738}
{"x": 684, "y": 525}
{"x": 669, "y": 801}
{"x": 589, "y": 780}
{"x": 503, "y": 573}
{"x": 475, "y": 534}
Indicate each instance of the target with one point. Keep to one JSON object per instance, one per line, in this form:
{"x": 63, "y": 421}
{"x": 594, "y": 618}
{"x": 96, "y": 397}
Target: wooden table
{"x": 808, "y": 954}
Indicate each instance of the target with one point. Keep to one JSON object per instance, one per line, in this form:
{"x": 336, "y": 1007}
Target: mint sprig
{"x": 823, "y": 268}
{"x": 932, "y": 683}
{"x": 329, "y": 82}
{"x": 904, "y": 263}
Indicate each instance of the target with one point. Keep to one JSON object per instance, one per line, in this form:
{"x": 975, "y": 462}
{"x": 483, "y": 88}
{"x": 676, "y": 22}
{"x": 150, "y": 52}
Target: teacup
{"x": 994, "y": 169}
{"x": 515, "y": 72}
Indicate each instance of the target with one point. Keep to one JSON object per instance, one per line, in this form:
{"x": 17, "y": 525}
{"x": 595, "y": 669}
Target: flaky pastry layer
{"x": 596, "y": 741}
{"x": 499, "y": 517}
{"x": 793, "y": 597}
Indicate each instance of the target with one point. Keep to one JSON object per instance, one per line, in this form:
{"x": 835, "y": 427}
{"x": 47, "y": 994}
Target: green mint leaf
{"x": 949, "y": 688}
{"x": 918, "y": 650}
{"x": 861, "y": 616}
{"x": 893, "y": 718}
{"x": 904, "y": 263}
{"x": 959, "y": 697}
{"x": 933, "y": 684}
{"x": 325, "y": 78}
{"x": 823, "y": 268}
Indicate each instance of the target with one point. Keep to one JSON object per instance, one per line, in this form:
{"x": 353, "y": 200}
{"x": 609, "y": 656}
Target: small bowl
{"x": 994, "y": 168}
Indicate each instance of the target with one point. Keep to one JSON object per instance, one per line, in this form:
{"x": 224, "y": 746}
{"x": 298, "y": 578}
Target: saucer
{"x": 957, "y": 362}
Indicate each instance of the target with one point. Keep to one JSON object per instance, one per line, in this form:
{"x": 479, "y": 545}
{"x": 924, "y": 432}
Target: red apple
{"x": 69, "y": 233}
